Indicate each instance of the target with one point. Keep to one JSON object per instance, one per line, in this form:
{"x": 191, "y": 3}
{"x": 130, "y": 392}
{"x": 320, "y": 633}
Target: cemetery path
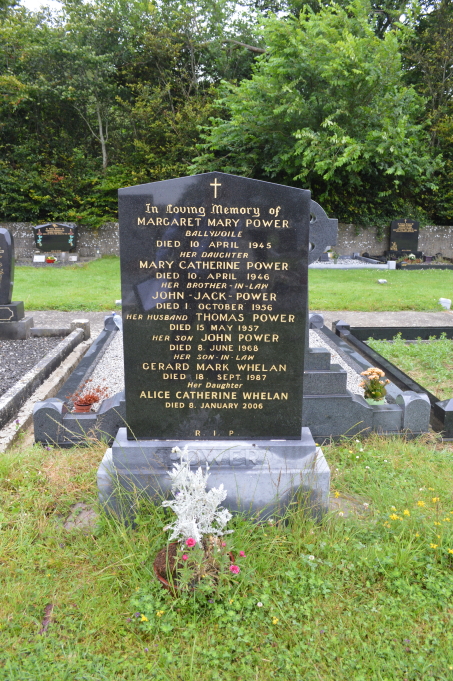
{"x": 396, "y": 319}
{"x": 59, "y": 319}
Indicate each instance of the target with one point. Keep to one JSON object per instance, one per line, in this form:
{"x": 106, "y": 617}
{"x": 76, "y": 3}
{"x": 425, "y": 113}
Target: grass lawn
{"x": 430, "y": 364}
{"x": 91, "y": 287}
{"x": 359, "y": 290}
{"x": 358, "y": 598}
{"x": 96, "y": 286}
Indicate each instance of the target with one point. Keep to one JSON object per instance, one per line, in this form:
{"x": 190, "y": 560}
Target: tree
{"x": 106, "y": 94}
{"x": 429, "y": 67}
{"x": 326, "y": 109}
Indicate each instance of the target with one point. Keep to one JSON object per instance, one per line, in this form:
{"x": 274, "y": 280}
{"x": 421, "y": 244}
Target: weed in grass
{"x": 359, "y": 597}
{"x": 430, "y": 363}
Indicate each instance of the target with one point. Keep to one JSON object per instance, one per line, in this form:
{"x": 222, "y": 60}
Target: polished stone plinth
{"x": 262, "y": 477}
{"x": 13, "y": 312}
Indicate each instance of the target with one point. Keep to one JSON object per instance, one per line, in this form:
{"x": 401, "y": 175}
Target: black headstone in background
{"x": 6, "y": 266}
{"x": 214, "y": 273}
{"x": 55, "y": 236}
{"x": 404, "y": 236}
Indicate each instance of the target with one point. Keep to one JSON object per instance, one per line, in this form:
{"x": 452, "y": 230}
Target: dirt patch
{"x": 347, "y": 506}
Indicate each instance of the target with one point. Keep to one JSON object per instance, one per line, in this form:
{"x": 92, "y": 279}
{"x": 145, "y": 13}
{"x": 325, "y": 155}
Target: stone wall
{"x": 90, "y": 243}
{"x": 432, "y": 239}
{"x": 105, "y": 241}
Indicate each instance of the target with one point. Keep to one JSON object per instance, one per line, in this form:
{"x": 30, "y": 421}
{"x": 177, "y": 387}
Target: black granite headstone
{"x": 55, "y": 236}
{"x": 214, "y": 273}
{"x": 6, "y": 266}
{"x": 404, "y": 236}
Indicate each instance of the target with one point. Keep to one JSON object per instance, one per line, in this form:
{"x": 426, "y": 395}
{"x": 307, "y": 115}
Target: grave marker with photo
{"x": 55, "y": 238}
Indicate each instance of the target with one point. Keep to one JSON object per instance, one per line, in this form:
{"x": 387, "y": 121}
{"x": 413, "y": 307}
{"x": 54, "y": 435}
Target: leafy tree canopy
{"x": 326, "y": 108}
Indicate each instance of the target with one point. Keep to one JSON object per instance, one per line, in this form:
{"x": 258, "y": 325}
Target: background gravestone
{"x": 13, "y": 325}
{"x": 214, "y": 291}
{"x": 323, "y": 232}
{"x": 55, "y": 237}
{"x": 404, "y": 236}
{"x": 6, "y": 266}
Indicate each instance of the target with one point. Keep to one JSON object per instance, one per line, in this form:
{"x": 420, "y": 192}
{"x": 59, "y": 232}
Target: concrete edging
{"x": 14, "y": 398}
{"x": 12, "y": 431}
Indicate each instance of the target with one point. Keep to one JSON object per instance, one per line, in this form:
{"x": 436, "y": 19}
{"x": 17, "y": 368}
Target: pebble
{"x": 19, "y": 356}
{"x": 318, "y": 340}
{"x": 109, "y": 371}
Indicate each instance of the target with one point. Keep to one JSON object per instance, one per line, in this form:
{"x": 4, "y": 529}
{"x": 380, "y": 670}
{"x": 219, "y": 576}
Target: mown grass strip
{"x": 91, "y": 287}
{"x": 96, "y": 286}
{"x": 361, "y": 597}
{"x": 359, "y": 290}
{"x": 430, "y": 363}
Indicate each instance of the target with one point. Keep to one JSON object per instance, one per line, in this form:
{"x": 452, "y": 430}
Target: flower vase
{"x": 375, "y": 402}
{"x": 165, "y": 566}
{"x": 81, "y": 408}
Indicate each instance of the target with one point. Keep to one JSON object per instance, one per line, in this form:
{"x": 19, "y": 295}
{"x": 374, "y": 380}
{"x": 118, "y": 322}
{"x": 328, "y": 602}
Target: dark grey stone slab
{"x": 48, "y": 421}
{"x": 331, "y": 382}
{"x": 387, "y": 418}
{"x": 214, "y": 293}
{"x": 6, "y": 266}
{"x": 262, "y": 477}
{"x": 13, "y": 312}
{"x": 54, "y": 424}
{"x": 443, "y": 412}
{"x": 335, "y": 416}
{"x": 317, "y": 359}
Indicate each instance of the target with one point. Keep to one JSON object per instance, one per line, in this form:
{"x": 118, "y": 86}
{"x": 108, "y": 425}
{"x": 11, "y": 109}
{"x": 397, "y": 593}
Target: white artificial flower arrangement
{"x": 197, "y": 510}
{"x": 204, "y": 560}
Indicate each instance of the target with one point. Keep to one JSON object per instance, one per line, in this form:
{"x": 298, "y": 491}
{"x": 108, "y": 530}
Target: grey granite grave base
{"x": 55, "y": 425}
{"x": 262, "y": 478}
{"x": 331, "y": 411}
{"x": 20, "y": 330}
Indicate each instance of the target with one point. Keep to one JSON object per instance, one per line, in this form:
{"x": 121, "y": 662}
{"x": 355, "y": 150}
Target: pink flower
{"x": 190, "y": 542}
{"x": 235, "y": 569}
{"x": 185, "y": 556}
{"x": 242, "y": 554}
{"x": 224, "y": 543}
